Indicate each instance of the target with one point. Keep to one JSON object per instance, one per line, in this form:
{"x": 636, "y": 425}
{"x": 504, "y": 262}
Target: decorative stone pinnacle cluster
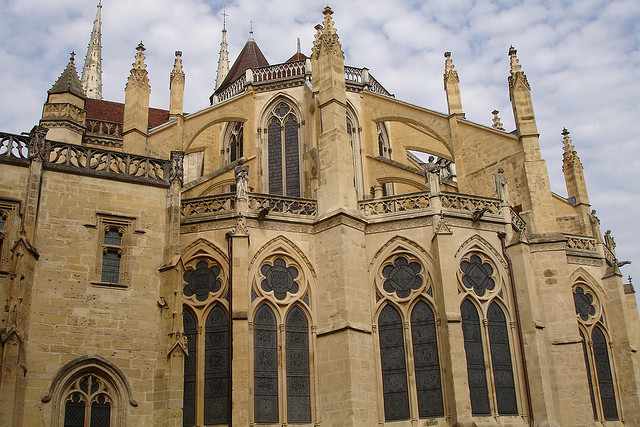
{"x": 496, "y": 122}
{"x": 177, "y": 71}
{"x": 326, "y": 37}
{"x": 449, "y": 67}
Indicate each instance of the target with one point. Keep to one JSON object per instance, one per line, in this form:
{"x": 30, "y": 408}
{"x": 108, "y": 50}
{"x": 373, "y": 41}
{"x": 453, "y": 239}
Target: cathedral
{"x": 308, "y": 250}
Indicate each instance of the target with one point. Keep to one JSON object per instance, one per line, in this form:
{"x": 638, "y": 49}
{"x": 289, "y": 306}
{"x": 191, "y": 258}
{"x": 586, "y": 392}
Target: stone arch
{"x": 203, "y": 246}
{"x": 394, "y": 179}
{"x": 272, "y": 101}
{"x": 481, "y": 244}
{"x": 202, "y": 128}
{"x": 102, "y": 369}
{"x": 285, "y": 246}
{"x": 418, "y": 125}
{"x": 397, "y": 244}
{"x": 582, "y": 276}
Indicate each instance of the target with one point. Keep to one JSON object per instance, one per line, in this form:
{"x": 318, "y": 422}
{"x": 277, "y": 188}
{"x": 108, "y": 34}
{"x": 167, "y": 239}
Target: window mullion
{"x": 284, "y": 159}
{"x": 488, "y": 363}
{"x": 411, "y": 377}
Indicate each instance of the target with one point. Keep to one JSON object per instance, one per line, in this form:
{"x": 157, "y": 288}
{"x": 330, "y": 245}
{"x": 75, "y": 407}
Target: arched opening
{"x": 217, "y": 367}
{"x": 190, "y": 369}
{"x": 501, "y": 361}
{"x": 283, "y": 149}
{"x": 476, "y": 371}
{"x": 265, "y": 369}
{"x": 353, "y": 131}
{"x": 297, "y": 358}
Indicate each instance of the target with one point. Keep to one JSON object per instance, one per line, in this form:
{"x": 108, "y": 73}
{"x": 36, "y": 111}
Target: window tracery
{"x": 405, "y": 298}
{"x": 597, "y": 353}
{"x": 487, "y": 337}
{"x": 88, "y": 403}
{"x": 283, "y": 150}
{"x": 282, "y": 331}
{"x": 234, "y": 144}
{"x": 207, "y": 365}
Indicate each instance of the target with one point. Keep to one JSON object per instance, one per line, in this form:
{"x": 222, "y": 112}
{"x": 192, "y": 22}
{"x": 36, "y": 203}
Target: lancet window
{"x": 282, "y": 343}
{"x": 404, "y": 297}
{"x": 233, "y": 142}
{"x": 88, "y": 403}
{"x": 384, "y": 151}
{"x": 487, "y": 338}
{"x": 353, "y": 131}
{"x": 283, "y": 150}
{"x": 207, "y": 364}
{"x": 596, "y": 349}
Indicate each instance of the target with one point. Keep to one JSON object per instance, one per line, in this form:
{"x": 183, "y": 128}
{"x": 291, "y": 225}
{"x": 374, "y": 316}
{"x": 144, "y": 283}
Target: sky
{"x": 581, "y": 59}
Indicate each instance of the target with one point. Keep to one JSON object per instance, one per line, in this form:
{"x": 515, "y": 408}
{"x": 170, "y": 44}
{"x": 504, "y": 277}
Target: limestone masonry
{"x": 309, "y": 250}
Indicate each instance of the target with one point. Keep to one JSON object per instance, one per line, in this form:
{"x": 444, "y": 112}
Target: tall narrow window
{"x": 111, "y": 254}
{"x": 234, "y": 145}
{"x": 283, "y": 151}
{"x": 426, "y": 361}
{"x": 476, "y": 371}
{"x": 605, "y": 379}
{"x": 298, "y": 382}
{"x": 216, "y": 367}
{"x": 88, "y": 403}
{"x": 394, "y": 367}
{"x": 585, "y": 352}
{"x": 265, "y": 366}
{"x": 189, "y": 398}
{"x": 501, "y": 361}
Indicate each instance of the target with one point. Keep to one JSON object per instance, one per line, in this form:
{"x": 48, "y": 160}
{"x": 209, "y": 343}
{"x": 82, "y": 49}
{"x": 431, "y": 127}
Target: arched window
{"x": 207, "y": 366}
{"x": 426, "y": 361}
{"x": 88, "y": 403}
{"x": 354, "y": 138}
{"x": 394, "y": 367}
{"x": 476, "y": 372}
{"x": 216, "y": 367}
{"x": 597, "y": 358}
{"x": 189, "y": 397}
{"x": 233, "y": 146}
{"x": 298, "y": 380}
{"x": 283, "y": 151}
{"x": 384, "y": 151}
{"x": 501, "y": 361}
{"x": 265, "y": 370}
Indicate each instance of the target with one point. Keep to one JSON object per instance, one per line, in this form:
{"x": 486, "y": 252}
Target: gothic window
{"x": 234, "y": 141}
{"x": 501, "y": 361}
{"x": 394, "y": 368}
{"x": 111, "y": 254}
{"x": 426, "y": 361}
{"x": 279, "y": 278}
{"x": 216, "y": 367}
{"x": 402, "y": 277}
{"x": 297, "y": 357}
{"x": 354, "y": 139}
{"x": 190, "y": 371}
{"x": 202, "y": 280}
{"x": 477, "y": 275}
{"x": 597, "y": 357}
{"x": 474, "y": 352}
{"x": 283, "y": 151}
{"x": 265, "y": 347}
{"x": 88, "y": 403}
{"x": 384, "y": 151}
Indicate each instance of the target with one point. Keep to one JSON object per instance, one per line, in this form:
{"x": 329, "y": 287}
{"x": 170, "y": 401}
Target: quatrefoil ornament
{"x": 585, "y": 308}
{"x": 477, "y": 275}
{"x": 402, "y": 276}
{"x": 202, "y": 280}
{"x": 279, "y": 278}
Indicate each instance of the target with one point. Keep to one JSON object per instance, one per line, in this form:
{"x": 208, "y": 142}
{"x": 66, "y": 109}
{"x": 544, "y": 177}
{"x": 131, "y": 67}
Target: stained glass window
{"x": 189, "y": 397}
{"x": 477, "y": 275}
{"x": 605, "y": 378}
{"x": 216, "y": 367}
{"x": 402, "y": 276}
{"x": 583, "y": 302}
{"x": 393, "y": 361}
{"x": 291, "y": 153}
{"x": 283, "y": 152}
{"x": 426, "y": 361}
{"x": 100, "y": 411}
{"x": 265, "y": 346}
{"x": 501, "y": 361}
{"x": 585, "y": 352}
{"x": 279, "y": 278}
{"x": 474, "y": 352}
{"x": 202, "y": 280}
{"x": 275, "y": 157}
{"x": 298, "y": 383}
{"x": 97, "y": 412}
{"x": 74, "y": 411}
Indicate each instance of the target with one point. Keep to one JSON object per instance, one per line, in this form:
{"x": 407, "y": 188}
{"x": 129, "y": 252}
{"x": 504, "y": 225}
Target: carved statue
{"x": 501, "y": 185}
{"x": 39, "y": 147}
{"x": 242, "y": 181}
{"x": 609, "y": 241}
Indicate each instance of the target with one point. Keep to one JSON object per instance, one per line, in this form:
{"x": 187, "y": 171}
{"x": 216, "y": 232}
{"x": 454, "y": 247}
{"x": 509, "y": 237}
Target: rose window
{"x": 279, "y": 278}
{"x": 202, "y": 280}
{"x": 477, "y": 275}
{"x": 402, "y": 276}
{"x": 584, "y": 304}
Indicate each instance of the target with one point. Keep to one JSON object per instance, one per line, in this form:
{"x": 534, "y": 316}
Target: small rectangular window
{"x": 113, "y": 235}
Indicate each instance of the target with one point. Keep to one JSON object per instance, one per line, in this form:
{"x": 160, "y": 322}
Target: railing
{"x": 376, "y": 87}
{"x": 208, "y": 205}
{"x": 353, "y": 75}
{"x": 276, "y": 72}
{"x": 13, "y": 148}
{"x": 470, "y": 204}
{"x": 284, "y": 205}
{"x": 261, "y": 204}
{"x": 394, "y": 204}
{"x": 580, "y": 243}
{"x": 103, "y": 132}
{"x": 233, "y": 89}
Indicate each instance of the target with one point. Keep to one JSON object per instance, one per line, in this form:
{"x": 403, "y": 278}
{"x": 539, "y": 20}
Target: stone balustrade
{"x": 207, "y": 206}
{"x": 395, "y": 204}
{"x": 580, "y": 243}
{"x": 469, "y": 204}
{"x": 14, "y": 148}
{"x": 287, "y": 70}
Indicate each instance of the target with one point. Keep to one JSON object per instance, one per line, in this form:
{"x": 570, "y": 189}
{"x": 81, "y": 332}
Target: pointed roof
{"x": 92, "y": 70}
{"x": 223, "y": 56}
{"x": 298, "y": 56}
{"x": 68, "y": 80}
{"x": 250, "y": 57}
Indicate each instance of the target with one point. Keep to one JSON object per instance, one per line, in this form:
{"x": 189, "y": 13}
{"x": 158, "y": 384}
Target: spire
{"x": 326, "y": 36}
{"x": 139, "y": 74}
{"x": 223, "y": 56}
{"x": 92, "y": 70}
{"x": 298, "y": 50}
{"x": 569, "y": 154}
{"x": 452, "y": 86}
{"x": 496, "y": 122}
{"x": 68, "y": 80}
{"x": 176, "y": 86}
{"x": 251, "y": 30}
{"x": 515, "y": 68}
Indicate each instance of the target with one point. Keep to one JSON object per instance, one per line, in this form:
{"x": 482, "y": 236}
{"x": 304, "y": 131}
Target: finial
{"x": 298, "y": 48}
{"x": 514, "y": 61}
{"x": 448, "y": 63}
{"x": 72, "y": 56}
{"x": 100, "y": 3}
{"x": 140, "y": 47}
{"x": 630, "y": 280}
{"x": 224, "y": 19}
{"x": 178, "y": 53}
{"x": 327, "y": 10}
{"x": 565, "y": 132}
{"x": 496, "y": 122}
{"x": 251, "y": 29}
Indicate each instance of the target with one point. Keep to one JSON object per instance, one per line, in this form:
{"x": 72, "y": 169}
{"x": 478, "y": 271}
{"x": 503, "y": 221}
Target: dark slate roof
{"x": 68, "y": 81}
{"x": 110, "y": 111}
{"x": 250, "y": 57}
{"x": 298, "y": 56}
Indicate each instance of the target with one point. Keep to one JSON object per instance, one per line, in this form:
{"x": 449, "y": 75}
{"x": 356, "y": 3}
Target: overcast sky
{"x": 581, "y": 57}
